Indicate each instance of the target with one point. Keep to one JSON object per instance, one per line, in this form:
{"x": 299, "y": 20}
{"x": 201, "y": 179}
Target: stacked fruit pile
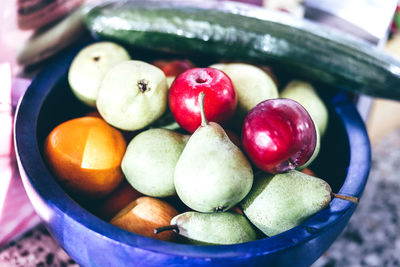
{"x": 224, "y": 185}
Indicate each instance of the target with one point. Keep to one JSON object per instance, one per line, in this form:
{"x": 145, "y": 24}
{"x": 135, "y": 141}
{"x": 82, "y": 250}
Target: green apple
{"x": 150, "y": 159}
{"x": 89, "y": 67}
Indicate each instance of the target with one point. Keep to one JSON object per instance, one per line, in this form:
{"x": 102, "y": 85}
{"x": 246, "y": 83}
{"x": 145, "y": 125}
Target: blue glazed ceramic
{"x": 344, "y": 162}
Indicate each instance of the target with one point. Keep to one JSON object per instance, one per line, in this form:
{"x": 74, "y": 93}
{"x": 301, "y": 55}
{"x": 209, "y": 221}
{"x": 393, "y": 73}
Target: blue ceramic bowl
{"x": 344, "y": 162}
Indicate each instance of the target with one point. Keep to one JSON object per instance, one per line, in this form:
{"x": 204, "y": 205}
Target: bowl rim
{"x": 30, "y": 162}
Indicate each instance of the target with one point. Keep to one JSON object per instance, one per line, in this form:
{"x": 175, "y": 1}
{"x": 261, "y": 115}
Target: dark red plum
{"x": 279, "y": 135}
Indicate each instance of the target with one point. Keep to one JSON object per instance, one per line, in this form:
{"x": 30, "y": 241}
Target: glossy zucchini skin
{"x": 241, "y": 32}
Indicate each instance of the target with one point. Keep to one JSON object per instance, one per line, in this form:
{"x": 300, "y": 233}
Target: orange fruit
{"x": 85, "y": 155}
{"x": 128, "y": 135}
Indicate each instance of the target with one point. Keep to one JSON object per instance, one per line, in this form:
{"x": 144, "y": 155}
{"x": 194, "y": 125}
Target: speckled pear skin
{"x": 150, "y": 159}
{"x": 217, "y": 228}
{"x": 279, "y": 202}
{"x": 212, "y": 174}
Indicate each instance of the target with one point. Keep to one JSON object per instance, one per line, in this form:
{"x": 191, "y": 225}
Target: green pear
{"x": 150, "y": 159}
{"x": 314, "y": 154}
{"x": 217, "y": 228}
{"x": 252, "y": 85}
{"x": 305, "y": 94}
{"x": 133, "y": 95}
{"x": 279, "y": 202}
{"x": 89, "y": 67}
{"x": 212, "y": 174}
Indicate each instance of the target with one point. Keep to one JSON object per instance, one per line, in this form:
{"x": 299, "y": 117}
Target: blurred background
{"x": 32, "y": 31}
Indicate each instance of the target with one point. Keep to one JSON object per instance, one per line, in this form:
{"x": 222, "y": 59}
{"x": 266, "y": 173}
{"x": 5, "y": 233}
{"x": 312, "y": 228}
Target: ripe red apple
{"x": 279, "y": 135}
{"x": 220, "y": 97}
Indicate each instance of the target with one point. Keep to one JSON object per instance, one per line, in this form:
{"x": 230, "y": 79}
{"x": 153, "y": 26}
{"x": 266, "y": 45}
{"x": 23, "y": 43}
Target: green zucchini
{"x": 242, "y": 32}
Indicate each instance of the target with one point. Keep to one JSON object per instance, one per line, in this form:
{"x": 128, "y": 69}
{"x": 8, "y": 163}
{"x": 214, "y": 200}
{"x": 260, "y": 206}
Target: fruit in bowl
{"x": 55, "y": 109}
{"x": 145, "y": 214}
{"x": 132, "y": 95}
{"x": 85, "y": 154}
{"x": 43, "y": 109}
{"x": 245, "y": 76}
{"x": 221, "y": 100}
{"x": 212, "y": 173}
{"x": 150, "y": 159}
{"x": 305, "y": 94}
{"x": 279, "y": 135}
{"x": 89, "y": 67}
{"x": 206, "y": 170}
{"x": 197, "y": 228}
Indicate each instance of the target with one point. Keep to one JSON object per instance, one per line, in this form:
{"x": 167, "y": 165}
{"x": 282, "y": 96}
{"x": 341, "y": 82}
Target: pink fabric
{"x": 11, "y": 38}
{"x": 16, "y": 212}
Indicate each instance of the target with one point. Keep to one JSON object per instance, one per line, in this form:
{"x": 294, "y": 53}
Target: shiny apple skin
{"x": 220, "y": 97}
{"x": 278, "y": 135}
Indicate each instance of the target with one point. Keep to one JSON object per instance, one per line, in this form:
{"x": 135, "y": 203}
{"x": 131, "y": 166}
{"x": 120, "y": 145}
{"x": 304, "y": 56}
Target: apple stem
{"x": 204, "y": 121}
{"x": 167, "y": 228}
{"x": 348, "y": 198}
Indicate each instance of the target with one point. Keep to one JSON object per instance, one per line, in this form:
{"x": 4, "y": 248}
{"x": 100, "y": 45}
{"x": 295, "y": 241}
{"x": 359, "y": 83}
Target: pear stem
{"x": 348, "y": 198}
{"x": 167, "y": 228}
{"x": 204, "y": 121}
